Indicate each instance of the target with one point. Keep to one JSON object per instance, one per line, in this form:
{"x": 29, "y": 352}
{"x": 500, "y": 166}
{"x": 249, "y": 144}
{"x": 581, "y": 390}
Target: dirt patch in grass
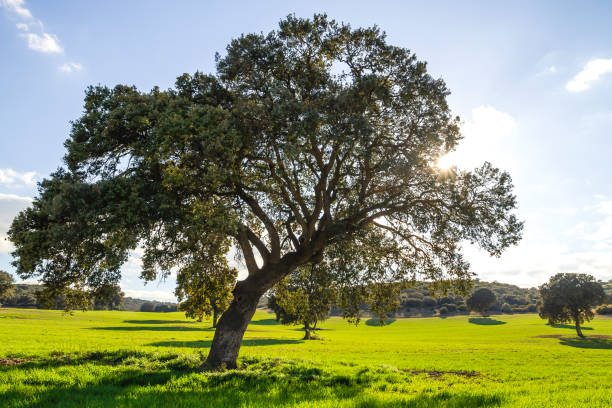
{"x": 13, "y": 361}
{"x": 438, "y": 374}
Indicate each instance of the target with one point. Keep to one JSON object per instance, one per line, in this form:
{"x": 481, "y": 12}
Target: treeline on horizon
{"x": 25, "y": 296}
{"x": 415, "y": 301}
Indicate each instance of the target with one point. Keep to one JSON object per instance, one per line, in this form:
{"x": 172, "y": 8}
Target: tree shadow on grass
{"x": 485, "y": 321}
{"x": 570, "y": 326}
{"x": 266, "y": 322}
{"x": 588, "y": 343}
{"x": 207, "y": 343}
{"x": 376, "y": 322}
{"x": 158, "y": 321}
{"x": 266, "y": 382}
{"x": 154, "y": 328}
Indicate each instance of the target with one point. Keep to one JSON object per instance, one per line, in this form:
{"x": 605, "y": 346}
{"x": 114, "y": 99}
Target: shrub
{"x": 604, "y": 310}
{"x": 443, "y": 310}
{"x": 462, "y": 307}
{"x": 428, "y": 301}
{"x": 147, "y": 307}
{"x": 532, "y": 308}
{"x": 506, "y": 308}
{"x": 451, "y": 307}
{"x": 413, "y": 302}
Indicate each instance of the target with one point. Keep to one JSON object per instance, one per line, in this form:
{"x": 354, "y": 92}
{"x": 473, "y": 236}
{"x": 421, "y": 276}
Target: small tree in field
{"x": 7, "y": 286}
{"x": 481, "y": 301}
{"x": 272, "y": 304}
{"x": 570, "y": 297}
{"x": 306, "y": 297}
{"x": 205, "y": 289}
{"x": 108, "y": 297}
{"x": 383, "y": 299}
{"x": 147, "y": 307}
{"x": 307, "y": 143}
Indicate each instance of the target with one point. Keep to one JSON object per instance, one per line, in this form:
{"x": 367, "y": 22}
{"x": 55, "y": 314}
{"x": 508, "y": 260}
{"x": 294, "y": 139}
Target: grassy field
{"x": 129, "y": 359}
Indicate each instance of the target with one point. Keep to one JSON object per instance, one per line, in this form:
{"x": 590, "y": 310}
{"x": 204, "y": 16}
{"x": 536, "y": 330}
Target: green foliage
{"x": 383, "y": 299}
{"x": 147, "y": 307}
{"x": 481, "y": 300}
{"x": 306, "y": 297}
{"x": 7, "y": 286}
{"x": 108, "y": 297}
{"x": 205, "y": 288}
{"x": 604, "y": 310}
{"x": 315, "y": 143}
{"x": 570, "y": 297}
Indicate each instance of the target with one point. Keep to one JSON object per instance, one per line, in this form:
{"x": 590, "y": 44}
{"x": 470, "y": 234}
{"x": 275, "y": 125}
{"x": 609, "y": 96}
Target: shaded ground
{"x": 485, "y": 321}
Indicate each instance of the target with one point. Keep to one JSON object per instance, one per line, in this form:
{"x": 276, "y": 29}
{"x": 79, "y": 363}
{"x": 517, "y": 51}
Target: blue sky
{"x": 532, "y": 82}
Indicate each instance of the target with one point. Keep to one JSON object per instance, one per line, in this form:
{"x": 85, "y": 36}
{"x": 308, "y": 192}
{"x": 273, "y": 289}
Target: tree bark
{"x": 215, "y": 317}
{"x": 233, "y": 322}
{"x": 578, "y": 329}
{"x": 307, "y": 335}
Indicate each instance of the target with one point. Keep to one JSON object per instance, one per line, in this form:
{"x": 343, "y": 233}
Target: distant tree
{"x": 306, "y": 297}
{"x": 7, "y": 286}
{"x": 570, "y": 297}
{"x": 429, "y": 301}
{"x": 147, "y": 307}
{"x": 205, "y": 288}
{"x": 481, "y": 301}
{"x": 604, "y": 310}
{"x": 109, "y": 297}
{"x": 272, "y": 304}
{"x": 162, "y": 308}
{"x": 506, "y": 308}
{"x": 383, "y": 299}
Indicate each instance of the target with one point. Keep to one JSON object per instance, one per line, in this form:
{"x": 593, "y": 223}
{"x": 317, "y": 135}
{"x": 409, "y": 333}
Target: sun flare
{"x": 445, "y": 162}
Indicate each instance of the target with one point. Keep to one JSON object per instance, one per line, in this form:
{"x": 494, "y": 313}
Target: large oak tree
{"x": 314, "y": 143}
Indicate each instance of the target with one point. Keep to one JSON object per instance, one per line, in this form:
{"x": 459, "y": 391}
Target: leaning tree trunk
{"x": 307, "y": 335}
{"x": 233, "y": 322}
{"x": 578, "y": 329}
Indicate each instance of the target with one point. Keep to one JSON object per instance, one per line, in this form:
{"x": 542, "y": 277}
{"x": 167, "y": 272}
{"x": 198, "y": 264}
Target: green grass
{"x": 129, "y": 359}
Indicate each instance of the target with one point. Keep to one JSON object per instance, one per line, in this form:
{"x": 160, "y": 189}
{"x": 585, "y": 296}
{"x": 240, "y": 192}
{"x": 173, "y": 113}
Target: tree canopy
{"x": 481, "y": 300}
{"x": 205, "y": 289}
{"x": 7, "y": 285}
{"x": 314, "y": 143}
{"x": 570, "y": 297}
{"x": 306, "y": 297}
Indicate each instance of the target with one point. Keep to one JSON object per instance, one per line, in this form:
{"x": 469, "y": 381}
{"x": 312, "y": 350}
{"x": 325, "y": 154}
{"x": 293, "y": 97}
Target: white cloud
{"x": 12, "y": 178}
{"x": 486, "y": 137}
{"x": 34, "y": 32}
{"x": 16, "y": 6}
{"x": 70, "y": 67}
{"x": 45, "y": 43}
{"x": 591, "y": 73}
{"x": 159, "y": 295}
{"x": 10, "y": 205}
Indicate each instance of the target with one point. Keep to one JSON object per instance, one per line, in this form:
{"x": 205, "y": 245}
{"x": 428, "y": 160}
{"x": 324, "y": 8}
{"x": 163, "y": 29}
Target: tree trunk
{"x": 578, "y": 329}
{"x": 233, "y": 322}
{"x": 307, "y": 335}
{"x": 200, "y": 319}
{"x": 215, "y": 317}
